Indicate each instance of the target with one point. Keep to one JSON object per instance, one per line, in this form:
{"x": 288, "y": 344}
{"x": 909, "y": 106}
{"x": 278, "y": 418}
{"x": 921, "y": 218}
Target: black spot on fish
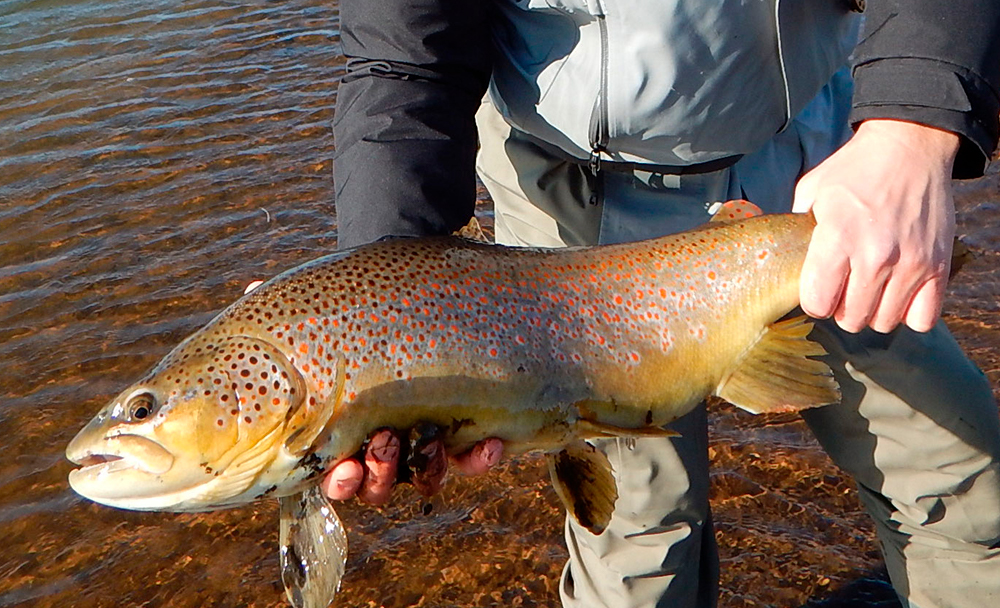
{"x": 267, "y": 492}
{"x": 457, "y": 425}
{"x": 313, "y": 463}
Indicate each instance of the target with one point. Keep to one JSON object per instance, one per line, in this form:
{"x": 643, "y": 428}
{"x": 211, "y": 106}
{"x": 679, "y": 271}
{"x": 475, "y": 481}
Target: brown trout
{"x": 540, "y": 348}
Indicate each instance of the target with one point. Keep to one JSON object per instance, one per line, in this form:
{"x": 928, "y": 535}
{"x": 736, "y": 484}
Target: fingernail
{"x": 386, "y": 452}
{"x": 492, "y": 457}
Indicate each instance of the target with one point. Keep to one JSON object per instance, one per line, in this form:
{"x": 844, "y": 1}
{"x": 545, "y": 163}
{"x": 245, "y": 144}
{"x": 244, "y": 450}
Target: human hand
{"x": 373, "y": 480}
{"x": 885, "y": 224}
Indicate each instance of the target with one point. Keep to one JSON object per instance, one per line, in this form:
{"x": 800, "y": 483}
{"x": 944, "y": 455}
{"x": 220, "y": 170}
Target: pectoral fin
{"x": 581, "y": 475}
{"x": 776, "y": 374}
{"x": 313, "y": 549}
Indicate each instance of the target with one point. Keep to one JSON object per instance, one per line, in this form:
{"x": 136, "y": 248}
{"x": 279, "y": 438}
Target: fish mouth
{"x": 95, "y": 459}
{"x": 117, "y": 453}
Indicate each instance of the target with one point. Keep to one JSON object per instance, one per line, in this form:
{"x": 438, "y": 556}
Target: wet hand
{"x": 372, "y": 481}
{"x": 881, "y": 250}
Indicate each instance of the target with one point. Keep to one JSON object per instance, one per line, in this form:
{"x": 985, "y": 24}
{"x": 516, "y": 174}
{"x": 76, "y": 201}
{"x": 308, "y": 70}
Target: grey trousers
{"x": 918, "y": 427}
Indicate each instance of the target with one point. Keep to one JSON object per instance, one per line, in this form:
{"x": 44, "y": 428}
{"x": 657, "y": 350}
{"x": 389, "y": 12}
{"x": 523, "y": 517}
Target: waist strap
{"x": 625, "y": 166}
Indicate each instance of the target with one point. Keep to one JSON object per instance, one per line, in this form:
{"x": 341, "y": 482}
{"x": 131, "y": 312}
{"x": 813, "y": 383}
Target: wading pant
{"x": 918, "y": 427}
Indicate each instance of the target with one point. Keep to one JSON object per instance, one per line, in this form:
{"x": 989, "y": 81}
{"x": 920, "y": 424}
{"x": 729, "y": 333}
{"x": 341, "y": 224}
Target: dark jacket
{"x": 405, "y": 131}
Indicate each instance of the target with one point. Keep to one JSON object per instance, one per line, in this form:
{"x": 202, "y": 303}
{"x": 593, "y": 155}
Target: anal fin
{"x": 777, "y": 375}
{"x": 313, "y": 549}
{"x": 581, "y": 475}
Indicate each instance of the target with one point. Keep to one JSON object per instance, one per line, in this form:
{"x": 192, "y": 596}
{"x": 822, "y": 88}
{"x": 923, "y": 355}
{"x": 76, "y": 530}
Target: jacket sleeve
{"x": 934, "y": 62}
{"x": 404, "y": 127}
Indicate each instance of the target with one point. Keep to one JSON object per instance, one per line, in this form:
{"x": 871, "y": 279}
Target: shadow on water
{"x": 157, "y": 157}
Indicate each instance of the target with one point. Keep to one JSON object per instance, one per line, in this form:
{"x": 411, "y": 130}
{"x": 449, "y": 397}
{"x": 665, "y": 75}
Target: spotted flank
{"x": 542, "y": 349}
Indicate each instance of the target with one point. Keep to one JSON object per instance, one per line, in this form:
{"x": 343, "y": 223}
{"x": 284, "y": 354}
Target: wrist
{"x": 918, "y": 141}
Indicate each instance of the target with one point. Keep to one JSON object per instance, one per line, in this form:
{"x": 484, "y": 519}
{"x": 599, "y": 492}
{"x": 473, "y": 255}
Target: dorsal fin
{"x": 473, "y": 231}
{"x": 738, "y": 209}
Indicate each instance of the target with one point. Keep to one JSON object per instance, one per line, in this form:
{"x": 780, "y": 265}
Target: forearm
{"x": 404, "y": 128}
{"x": 936, "y": 64}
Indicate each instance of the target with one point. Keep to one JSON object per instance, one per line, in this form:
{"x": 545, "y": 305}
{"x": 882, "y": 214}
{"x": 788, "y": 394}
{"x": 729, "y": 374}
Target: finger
{"x": 481, "y": 458}
{"x": 863, "y": 292}
{"x": 430, "y": 477}
{"x": 858, "y": 305}
{"x": 925, "y": 308}
{"x": 891, "y": 309}
{"x": 824, "y": 275}
{"x": 381, "y": 460}
{"x": 344, "y": 480}
{"x": 896, "y": 298}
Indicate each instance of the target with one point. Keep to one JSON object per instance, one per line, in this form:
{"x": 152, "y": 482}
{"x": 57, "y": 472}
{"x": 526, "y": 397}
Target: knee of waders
{"x": 965, "y": 518}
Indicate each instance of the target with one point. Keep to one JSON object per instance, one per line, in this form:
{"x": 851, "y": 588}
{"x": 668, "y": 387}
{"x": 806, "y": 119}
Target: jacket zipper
{"x": 599, "y": 136}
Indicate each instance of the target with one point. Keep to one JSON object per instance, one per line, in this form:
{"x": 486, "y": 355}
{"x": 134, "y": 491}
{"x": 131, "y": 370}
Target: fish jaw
{"x": 112, "y": 468}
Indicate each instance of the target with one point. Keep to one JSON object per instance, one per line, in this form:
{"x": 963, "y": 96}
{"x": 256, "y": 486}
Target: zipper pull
{"x": 595, "y": 161}
{"x": 595, "y": 169}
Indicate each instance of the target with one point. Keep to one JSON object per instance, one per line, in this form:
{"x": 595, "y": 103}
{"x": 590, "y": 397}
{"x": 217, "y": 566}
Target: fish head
{"x": 195, "y": 433}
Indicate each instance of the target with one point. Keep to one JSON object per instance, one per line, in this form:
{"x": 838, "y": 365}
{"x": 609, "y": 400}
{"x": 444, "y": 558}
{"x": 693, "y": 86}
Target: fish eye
{"x": 140, "y": 407}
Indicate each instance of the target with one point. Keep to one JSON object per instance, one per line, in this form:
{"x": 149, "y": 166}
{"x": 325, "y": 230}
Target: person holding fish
{"x": 611, "y": 121}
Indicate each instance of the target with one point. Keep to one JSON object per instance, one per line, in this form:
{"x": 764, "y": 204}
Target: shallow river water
{"x": 155, "y": 157}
